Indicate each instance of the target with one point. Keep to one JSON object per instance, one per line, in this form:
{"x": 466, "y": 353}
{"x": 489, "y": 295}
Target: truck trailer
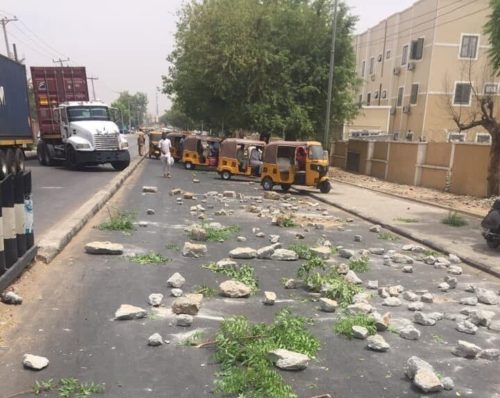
{"x": 73, "y": 129}
{"x": 15, "y": 123}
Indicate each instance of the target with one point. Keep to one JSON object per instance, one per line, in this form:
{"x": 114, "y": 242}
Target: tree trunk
{"x": 494, "y": 166}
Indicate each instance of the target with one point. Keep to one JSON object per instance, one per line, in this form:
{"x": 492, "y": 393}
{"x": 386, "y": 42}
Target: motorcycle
{"x": 491, "y": 226}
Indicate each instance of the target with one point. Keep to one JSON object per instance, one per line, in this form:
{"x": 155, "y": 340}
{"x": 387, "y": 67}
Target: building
{"x": 417, "y": 67}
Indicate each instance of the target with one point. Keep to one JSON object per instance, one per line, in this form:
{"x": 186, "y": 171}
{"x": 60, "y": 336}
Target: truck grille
{"x": 107, "y": 142}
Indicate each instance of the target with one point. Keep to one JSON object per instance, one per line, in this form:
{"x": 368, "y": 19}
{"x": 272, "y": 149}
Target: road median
{"x": 54, "y": 241}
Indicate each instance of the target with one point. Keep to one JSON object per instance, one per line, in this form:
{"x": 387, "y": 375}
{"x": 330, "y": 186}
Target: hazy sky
{"x": 122, "y": 42}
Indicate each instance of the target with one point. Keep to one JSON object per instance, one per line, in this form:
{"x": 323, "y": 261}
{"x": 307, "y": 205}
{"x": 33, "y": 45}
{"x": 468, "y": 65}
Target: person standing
{"x": 165, "y": 157}
{"x": 141, "y": 142}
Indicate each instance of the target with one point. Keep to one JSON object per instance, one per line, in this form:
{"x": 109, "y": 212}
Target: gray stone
{"x": 416, "y": 306}
{"x": 491, "y": 354}
{"x": 343, "y": 269}
{"x": 408, "y": 269}
{"x": 437, "y": 316}
{"x": 451, "y": 280}
{"x": 352, "y": 277}
{"x": 377, "y": 343}
{"x": 373, "y": 285}
{"x": 241, "y": 239}
{"x": 289, "y": 360}
{"x": 149, "y": 189}
{"x": 327, "y": 305}
{"x": 284, "y": 255}
{"x": 189, "y": 304}
{"x": 359, "y": 308}
{"x": 359, "y": 332}
{"x": 226, "y": 263}
{"x": 444, "y": 287}
{"x": 150, "y": 212}
{"x": 392, "y": 302}
{"x": 176, "y": 280}
{"x": 229, "y": 194}
{"x": 345, "y": 253}
{"x": 448, "y": 383}
{"x": 414, "y": 364}
{"x": 410, "y": 296}
{"x": 358, "y": 238}
{"x": 298, "y": 235}
{"x": 423, "y": 319}
{"x": 184, "y": 320}
{"x": 274, "y": 238}
{"x": 176, "y": 292}
{"x": 155, "y": 340}
{"x": 260, "y": 235}
{"x": 267, "y": 251}
{"x": 401, "y": 259}
{"x": 103, "y": 248}
{"x": 481, "y": 317}
{"x": 381, "y": 321}
{"x": 455, "y": 270}
{"x": 427, "y": 381}
{"x": 466, "y": 327}
{"x": 382, "y": 292}
{"x": 323, "y": 252}
{"x": 243, "y": 253}
{"x": 291, "y": 284}
{"x": 454, "y": 259}
{"x": 194, "y": 249}
{"x": 269, "y": 298}
{"x": 143, "y": 224}
{"x": 378, "y": 251}
{"x": 234, "y": 289}
{"x": 155, "y": 299}
{"x": 188, "y": 195}
{"x": 409, "y": 332}
{"x": 467, "y": 350}
{"x": 469, "y": 301}
{"x": 35, "y": 362}
{"x": 375, "y": 228}
{"x": 486, "y": 296}
{"x": 127, "y": 312}
{"x": 11, "y": 298}
{"x": 175, "y": 191}
{"x": 495, "y": 326}
{"x": 427, "y": 298}
{"x": 198, "y": 233}
{"x": 395, "y": 290}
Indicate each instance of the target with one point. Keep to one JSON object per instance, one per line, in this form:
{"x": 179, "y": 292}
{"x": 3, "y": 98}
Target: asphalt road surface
{"x": 58, "y": 191}
{"x": 68, "y": 309}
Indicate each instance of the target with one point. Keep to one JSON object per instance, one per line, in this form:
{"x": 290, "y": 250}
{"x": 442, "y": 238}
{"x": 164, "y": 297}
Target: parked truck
{"x": 15, "y": 123}
{"x": 73, "y": 129}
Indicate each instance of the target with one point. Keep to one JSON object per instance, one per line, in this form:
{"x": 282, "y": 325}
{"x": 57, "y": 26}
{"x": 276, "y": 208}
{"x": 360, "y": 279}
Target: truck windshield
{"x": 316, "y": 152}
{"x": 78, "y": 113}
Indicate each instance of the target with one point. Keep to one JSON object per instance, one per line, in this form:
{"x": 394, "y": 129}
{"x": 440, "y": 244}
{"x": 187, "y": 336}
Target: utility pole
{"x": 92, "y": 78}
{"x": 4, "y": 21}
{"x": 330, "y": 78}
{"x": 60, "y": 61}
{"x": 157, "y": 110}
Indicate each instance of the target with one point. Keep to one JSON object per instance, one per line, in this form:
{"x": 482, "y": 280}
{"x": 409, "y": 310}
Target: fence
{"x": 17, "y": 242}
{"x": 459, "y": 168}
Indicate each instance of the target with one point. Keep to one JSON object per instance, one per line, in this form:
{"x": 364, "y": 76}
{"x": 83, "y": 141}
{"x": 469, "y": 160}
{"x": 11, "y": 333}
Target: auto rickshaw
{"x": 288, "y": 163}
{"x": 154, "y": 144}
{"x": 240, "y": 157}
{"x": 177, "y": 140}
{"x": 200, "y": 150}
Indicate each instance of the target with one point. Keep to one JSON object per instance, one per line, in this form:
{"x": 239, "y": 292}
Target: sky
{"x": 124, "y": 43}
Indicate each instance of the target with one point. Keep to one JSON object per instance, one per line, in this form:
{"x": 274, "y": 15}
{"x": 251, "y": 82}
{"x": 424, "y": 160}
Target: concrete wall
{"x": 460, "y": 168}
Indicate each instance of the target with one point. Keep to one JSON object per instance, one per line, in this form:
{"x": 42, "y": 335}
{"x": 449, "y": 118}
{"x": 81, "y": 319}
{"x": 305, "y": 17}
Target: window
{"x": 363, "y": 64}
{"x": 368, "y": 98}
{"x": 384, "y": 94}
{"x": 490, "y": 88}
{"x": 404, "y": 56}
{"x": 414, "y": 94}
{"x": 400, "y": 96}
{"x": 379, "y": 58}
{"x": 395, "y": 136}
{"x": 360, "y": 99}
{"x": 375, "y": 95}
{"x": 456, "y": 137}
{"x": 483, "y": 138}
{"x": 388, "y": 54}
{"x": 417, "y": 49}
{"x": 468, "y": 48}
{"x": 372, "y": 64}
{"x": 462, "y": 94}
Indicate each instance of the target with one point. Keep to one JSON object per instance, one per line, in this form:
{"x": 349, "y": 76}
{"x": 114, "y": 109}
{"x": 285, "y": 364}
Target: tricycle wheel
{"x": 188, "y": 166}
{"x": 492, "y": 244}
{"x": 285, "y": 187}
{"x": 267, "y": 184}
{"x": 225, "y": 175}
{"x": 325, "y": 187}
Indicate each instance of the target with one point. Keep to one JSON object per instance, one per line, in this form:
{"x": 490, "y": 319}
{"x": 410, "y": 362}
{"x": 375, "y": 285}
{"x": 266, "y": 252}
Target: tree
{"x": 177, "y": 118}
{"x": 482, "y": 111}
{"x": 132, "y": 108}
{"x": 262, "y": 65}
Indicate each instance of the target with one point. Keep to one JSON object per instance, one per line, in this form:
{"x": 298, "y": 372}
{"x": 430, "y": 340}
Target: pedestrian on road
{"x": 166, "y": 158}
{"x": 141, "y": 142}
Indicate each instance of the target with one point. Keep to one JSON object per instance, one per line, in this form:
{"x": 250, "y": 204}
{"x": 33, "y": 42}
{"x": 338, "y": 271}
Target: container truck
{"x": 73, "y": 129}
{"x": 15, "y": 123}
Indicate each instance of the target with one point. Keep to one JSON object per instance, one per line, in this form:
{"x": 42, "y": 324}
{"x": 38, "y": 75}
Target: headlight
{"x": 124, "y": 145}
{"x": 83, "y": 146}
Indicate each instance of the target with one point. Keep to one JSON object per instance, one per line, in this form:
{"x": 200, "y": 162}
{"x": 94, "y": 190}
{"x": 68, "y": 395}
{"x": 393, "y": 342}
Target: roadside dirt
{"x": 468, "y": 204}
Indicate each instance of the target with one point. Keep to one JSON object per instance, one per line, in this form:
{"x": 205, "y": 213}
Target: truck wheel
{"x": 122, "y": 165}
{"x": 3, "y": 165}
{"x": 267, "y": 184}
{"x": 325, "y": 186}
{"x": 40, "y": 153}
{"x": 19, "y": 155}
{"x": 48, "y": 154}
{"x": 71, "y": 162}
{"x": 225, "y": 175}
{"x": 11, "y": 161}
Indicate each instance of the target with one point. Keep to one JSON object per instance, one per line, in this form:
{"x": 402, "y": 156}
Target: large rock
{"x": 269, "y": 298}
{"x": 491, "y": 354}
{"x": 486, "y": 296}
{"x": 267, "y": 251}
{"x": 391, "y": 302}
{"x": 289, "y": 360}
{"x": 465, "y": 349}
{"x": 427, "y": 381}
{"x": 176, "y": 280}
{"x": 323, "y": 252}
{"x": 382, "y": 322}
{"x": 243, "y": 253}
{"x": 377, "y": 343}
{"x": 98, "y": 247}
{"x": 198, "y": 233}
{"x": 155, "y": 340}
{"x": 149, "y": 189}
{"x": 466, "y": 327}
{"x": 409, "y": 332}
{"x": 184, "y": 320}
{"x": 189, "y": 304}
{"x": 35, "y": 362}
{"x": 11, "y": 298}
{"x": 272, "y": 195}
{"x": 481, "y": 317}
{"x": 346, "y": 253}
{"x": 423, "y": 319}
{"x": 414, "y": 364}
{"x": 284, "y": 255}
{"x": 193, "y": 249}
{"x": 155, "y": 299}
{"x": 359, "y": 332}
{"x": 234, "y": 289}
{"x": 353, "y": 278}
{"x": 127, "y": 312}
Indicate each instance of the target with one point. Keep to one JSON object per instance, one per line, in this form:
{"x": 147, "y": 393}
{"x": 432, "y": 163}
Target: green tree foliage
{"x": 132, "y": 108}
{"x": 262, "y": 65}
{"x": 177, "y": 118}
{"x": 492, "y": 29}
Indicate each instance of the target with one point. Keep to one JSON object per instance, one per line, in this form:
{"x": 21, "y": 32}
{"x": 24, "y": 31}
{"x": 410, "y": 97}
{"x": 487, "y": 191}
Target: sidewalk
{"x": 416, "y": 221}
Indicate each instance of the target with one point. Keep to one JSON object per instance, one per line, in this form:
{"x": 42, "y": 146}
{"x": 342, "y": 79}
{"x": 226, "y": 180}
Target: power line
{"x": 30, "y": 46}
{"x": 38, "y": 41}
{"x": 92, "y": 78}
{"x": 60, "y": 61}
{"x": 4, "y": 21}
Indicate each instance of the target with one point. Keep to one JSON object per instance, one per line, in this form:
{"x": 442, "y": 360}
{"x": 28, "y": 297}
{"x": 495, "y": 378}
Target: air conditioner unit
{"x": 396, "y": 71}
{"x": 411, "y": 65}
{"x": 393, "y": 110}
{"x": 372, "y": 77}
{"x": 406, "y": 109}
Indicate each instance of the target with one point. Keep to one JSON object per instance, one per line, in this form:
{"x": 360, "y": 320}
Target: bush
{"x": 119, "y": 221}
{"x": 148, "y": 258}
{"x": 302, "y": 250}
{"x": 359, "y": 264}
{"x": 454, "y": 219}
{"x": 344, "y": 325}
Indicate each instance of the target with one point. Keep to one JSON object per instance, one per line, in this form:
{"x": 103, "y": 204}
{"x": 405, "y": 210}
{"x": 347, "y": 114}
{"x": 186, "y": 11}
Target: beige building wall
{"x": 441, "y": 24}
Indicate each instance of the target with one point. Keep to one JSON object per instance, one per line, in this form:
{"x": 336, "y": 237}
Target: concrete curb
{"x": 421, "y": 201}
{"x": 407, "y": 234}
{"x": 61, "y": 234}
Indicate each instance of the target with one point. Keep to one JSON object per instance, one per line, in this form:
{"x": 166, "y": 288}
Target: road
{"x": 68, "y": 308}
{"x": 58, "y": 191}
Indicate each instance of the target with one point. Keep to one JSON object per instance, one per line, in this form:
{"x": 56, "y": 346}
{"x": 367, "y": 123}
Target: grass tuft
{"x": 454, "y": 219}
{"x": 119, "y": 221}
{"x": 387, "y": 236}
{"x": 286, "y": 221}
{"x": 360, "y": 264}
{"x": 344, "y": 324}
{"x": 207, "y": 291}
{"x": 148, "y": 258}
{"x": 244, "y": 273}
{"x": 195, "y": 339}
{"x": 302, "y": 250}
{"x": 220, "y": 234}
{"x": 68, "y": 388}
{"x": 172, "y": 246}
{"x": 407, "y": 220}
